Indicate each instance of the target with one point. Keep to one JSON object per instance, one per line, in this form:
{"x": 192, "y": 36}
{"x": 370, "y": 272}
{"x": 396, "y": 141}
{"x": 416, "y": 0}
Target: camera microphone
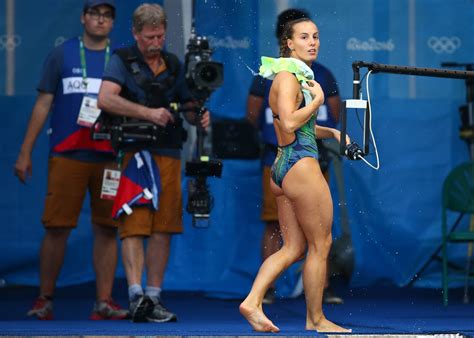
{"x": 353, "y": 151}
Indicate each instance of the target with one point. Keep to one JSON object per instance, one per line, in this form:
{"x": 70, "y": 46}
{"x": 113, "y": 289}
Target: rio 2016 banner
{"x": 232, "y": 28}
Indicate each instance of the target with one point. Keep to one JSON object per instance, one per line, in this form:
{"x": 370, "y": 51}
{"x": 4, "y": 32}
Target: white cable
{"x": 370, "y": 129}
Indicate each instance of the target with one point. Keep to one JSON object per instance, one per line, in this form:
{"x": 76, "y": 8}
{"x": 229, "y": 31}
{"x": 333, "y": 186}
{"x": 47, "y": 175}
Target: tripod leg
{"x": 468, "y": 266}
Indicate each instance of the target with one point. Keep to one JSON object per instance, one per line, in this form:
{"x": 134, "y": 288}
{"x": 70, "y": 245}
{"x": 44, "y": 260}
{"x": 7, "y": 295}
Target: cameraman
{"x": 140, "y": 82}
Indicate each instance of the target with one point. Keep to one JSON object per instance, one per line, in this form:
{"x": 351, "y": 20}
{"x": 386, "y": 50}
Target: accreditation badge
{"x": 110, "y": 184}
{"x": 89, "y": 112}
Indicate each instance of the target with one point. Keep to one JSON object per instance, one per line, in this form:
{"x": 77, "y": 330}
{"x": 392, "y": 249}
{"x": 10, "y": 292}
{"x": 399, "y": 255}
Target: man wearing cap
{"x": 68, "y": 88}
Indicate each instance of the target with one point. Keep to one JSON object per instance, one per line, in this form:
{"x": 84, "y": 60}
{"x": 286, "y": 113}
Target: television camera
{"x": 203, "y": 76}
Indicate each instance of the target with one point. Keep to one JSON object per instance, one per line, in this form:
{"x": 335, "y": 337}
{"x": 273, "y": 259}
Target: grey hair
{"x": 149, "y": 15}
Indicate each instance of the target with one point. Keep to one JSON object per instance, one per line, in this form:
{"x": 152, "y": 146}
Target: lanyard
{"x": 82, "y": 53}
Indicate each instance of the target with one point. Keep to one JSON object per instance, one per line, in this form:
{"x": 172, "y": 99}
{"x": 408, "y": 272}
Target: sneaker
{"x": 160, "y": 313}
{"x": 269, "y": 297}
{"x": 108, "y": 309}
{"x": 140, "y": 308}
{"x": 330, "y": 298}
{"x": 42, "y": 309}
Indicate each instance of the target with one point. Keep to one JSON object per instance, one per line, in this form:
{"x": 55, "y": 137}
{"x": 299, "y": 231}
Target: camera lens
{"x": 209, "y": 74}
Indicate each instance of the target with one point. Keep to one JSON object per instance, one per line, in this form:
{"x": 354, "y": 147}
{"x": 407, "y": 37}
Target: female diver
{"x": 304, "y": 202}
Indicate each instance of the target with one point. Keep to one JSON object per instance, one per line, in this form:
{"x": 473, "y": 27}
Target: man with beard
{"x": 139, "y": 83}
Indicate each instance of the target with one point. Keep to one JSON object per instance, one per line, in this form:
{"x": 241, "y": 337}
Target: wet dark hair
{"x": 288, "y": 34}
{"x": 287, "y": 16}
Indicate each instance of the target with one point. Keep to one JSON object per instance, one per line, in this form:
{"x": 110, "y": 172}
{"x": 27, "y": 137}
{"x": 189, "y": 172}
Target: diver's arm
{"x": 287, "y": 90}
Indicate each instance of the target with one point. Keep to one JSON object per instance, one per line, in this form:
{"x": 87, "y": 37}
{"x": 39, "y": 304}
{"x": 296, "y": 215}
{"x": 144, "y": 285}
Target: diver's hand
{"x": 315, "y": 89}
{"x": 337, "y": 136}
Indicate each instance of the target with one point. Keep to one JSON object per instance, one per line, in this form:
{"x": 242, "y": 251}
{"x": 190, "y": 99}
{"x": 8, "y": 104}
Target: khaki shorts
{"x": 169, "y": 218}
{"x": 269, "y": 209}
{"x": 68, "y": 182}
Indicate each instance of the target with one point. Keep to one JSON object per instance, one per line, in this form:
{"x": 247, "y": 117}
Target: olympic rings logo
{"x": 59, "y": 41}
{"x": 9, "y": 42}
{"x": 444, "y": 44}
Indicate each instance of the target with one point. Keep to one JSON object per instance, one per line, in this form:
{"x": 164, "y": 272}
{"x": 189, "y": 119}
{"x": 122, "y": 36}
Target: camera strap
{"x": 153, "y": 89}
{"x": 141, "y": 134}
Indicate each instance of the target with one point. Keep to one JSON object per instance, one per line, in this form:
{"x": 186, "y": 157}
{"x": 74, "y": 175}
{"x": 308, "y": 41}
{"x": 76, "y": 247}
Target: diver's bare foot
{"x": 324, "y": 325}
{"x": 257, "y": 319}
